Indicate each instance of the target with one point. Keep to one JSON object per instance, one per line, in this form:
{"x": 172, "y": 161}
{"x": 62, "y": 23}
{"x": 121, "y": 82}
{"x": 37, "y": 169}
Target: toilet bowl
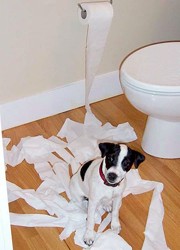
{"x": 150, "y": 79}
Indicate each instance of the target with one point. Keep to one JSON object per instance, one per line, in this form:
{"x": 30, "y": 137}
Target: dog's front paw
{"x": 116, "y": 227}
{"x": 107, "y": 208}
{"x": 89, "y": 237}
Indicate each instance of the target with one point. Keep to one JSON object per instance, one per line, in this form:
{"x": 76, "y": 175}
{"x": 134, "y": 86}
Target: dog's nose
{"x": 112, "y": 177}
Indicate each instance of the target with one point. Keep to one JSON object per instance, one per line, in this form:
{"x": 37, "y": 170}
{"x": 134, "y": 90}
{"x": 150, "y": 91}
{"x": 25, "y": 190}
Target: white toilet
{"x": 150, "y": 79}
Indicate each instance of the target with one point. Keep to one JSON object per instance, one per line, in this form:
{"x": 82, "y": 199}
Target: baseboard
{"x": 55, "y": 101}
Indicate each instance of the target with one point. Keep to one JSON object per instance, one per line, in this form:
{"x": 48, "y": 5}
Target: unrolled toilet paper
{"x": 72, "y": 216}
{"x": 82, "y": 141}
{"x": 98, "y": 19}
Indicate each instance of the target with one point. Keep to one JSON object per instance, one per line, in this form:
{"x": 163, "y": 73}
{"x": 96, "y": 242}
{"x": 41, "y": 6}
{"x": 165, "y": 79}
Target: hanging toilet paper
{"x": 79, "y": 136}
{"x": 98, "y": 18}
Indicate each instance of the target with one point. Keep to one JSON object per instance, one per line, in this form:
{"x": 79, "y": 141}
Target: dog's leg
{"x": 117, "y": 202}
{"x": 90, "y": 233}
{"x": 107, "y": 206}
{"x": 115, "y": 223}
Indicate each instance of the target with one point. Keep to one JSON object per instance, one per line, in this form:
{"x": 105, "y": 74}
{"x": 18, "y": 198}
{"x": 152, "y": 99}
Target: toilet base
{"x": 162, "y": 138}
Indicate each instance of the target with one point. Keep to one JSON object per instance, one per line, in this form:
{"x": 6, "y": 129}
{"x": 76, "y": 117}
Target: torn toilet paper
{"x": 82, "y": 141}
{"x": 54, "y": 173}
{"x": 78, "y": 134}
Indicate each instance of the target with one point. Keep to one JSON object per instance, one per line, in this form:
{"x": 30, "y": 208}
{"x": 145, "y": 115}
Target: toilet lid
{"x": 154, "y": 68}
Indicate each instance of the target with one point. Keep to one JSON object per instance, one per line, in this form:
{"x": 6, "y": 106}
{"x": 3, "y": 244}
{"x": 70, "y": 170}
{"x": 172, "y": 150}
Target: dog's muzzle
{"x": 112, "y": 176}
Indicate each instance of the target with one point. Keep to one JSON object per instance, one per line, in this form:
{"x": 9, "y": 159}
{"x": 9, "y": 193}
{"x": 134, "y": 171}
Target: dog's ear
{"x": 138, "y": 158}
{"x": 108, "y": 148}
{"x": 104, "y": 148}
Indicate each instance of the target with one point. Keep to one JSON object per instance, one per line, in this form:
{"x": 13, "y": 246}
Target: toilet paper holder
{"x": 83, "y": 11}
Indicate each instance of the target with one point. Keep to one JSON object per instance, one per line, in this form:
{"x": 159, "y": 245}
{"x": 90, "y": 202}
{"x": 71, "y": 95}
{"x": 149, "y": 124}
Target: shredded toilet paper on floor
{"x": 82, "y": 141}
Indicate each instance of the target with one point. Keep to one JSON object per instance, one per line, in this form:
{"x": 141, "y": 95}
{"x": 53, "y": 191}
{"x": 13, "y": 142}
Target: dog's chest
{"x": 104, "y": 192}
{"x": 96, "y": 188}
{"x": 93, "y": 185}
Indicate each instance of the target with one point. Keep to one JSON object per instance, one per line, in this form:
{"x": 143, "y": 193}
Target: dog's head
{"x": 118, "y": 159}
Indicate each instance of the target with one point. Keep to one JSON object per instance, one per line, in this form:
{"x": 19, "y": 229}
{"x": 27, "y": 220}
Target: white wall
{"x": 42, "y": 42}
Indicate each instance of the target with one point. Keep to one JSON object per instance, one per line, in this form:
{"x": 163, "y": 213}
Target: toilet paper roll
{"x": 98, "y": 18}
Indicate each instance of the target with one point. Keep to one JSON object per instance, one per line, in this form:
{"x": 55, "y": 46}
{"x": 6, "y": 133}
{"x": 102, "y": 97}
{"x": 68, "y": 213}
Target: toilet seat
{"x": 154, "y": 69}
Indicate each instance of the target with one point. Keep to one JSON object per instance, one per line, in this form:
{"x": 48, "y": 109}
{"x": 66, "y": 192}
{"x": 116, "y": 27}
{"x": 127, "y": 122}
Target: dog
{"x": 102, "y": 182}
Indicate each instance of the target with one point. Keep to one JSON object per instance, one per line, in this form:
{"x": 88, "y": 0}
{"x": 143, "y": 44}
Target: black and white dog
{"x": 102, "y": 181}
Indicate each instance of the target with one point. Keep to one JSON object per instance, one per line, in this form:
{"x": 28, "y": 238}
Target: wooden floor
{"x": 134, "y": 210}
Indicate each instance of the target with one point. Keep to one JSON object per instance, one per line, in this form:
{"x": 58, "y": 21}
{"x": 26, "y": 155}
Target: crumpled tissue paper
{"x": 82, "y": 141}
{"x": 54, "y": 173}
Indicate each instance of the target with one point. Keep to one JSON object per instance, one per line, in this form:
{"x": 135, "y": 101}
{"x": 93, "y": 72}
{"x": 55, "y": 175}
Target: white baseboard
{"x": 55, "y": 101}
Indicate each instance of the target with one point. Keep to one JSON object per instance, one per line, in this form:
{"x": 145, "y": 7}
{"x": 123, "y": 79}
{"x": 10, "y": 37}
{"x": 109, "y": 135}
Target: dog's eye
{"x": 110, "y": 158}
{"x": 126, "y": 163}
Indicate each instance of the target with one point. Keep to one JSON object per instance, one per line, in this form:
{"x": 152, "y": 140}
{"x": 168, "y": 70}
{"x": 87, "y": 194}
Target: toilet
{"x": 150, "y": 79}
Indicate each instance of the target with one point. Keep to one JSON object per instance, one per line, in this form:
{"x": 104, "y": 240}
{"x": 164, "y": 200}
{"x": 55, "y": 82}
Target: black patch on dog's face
{"x": 111, "y": 151}
{"x": 84, "y": 168}
{"x": 133, "y": 157}
{"x": 111, "y": 160}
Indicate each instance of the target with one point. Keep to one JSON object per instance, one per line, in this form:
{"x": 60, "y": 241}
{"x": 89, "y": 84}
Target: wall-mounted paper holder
{"x": 83, "y": 11}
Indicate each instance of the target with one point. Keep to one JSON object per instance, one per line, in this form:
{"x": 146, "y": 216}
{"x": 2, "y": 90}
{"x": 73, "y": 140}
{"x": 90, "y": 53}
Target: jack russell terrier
{"x": 102, "y": 182}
